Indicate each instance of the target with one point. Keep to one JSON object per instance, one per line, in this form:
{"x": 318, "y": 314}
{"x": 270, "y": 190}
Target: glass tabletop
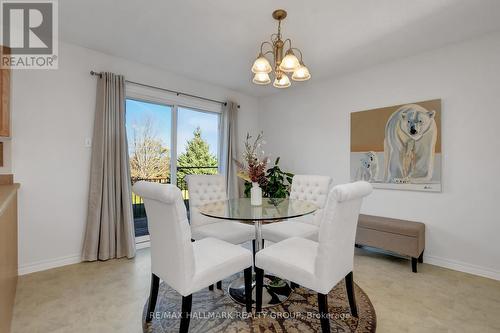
{"x": 270, "y": 210}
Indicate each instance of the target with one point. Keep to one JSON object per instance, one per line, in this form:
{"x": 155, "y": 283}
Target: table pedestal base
{"x": 272, "y": 294}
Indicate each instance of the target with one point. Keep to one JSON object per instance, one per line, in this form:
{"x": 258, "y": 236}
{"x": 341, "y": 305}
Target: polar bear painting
{"x": 368, "y": 169}
{"x": 409, "y": 145}
{"x": 398, "y": 147}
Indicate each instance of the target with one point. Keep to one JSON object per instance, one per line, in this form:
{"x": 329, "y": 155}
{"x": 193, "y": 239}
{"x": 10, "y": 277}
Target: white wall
{"x": 53, "y": 113}
{"x": 308, "y": 126}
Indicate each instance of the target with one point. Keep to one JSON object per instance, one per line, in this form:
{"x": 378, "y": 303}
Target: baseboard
{"x": 448, "y": 263}
{"x": 462, "y": 267}
{"x": 44, "y": 265}
{"x": 48, "y": 264}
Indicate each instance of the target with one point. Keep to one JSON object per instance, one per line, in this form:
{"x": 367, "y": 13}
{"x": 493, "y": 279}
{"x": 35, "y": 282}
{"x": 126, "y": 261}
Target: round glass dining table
{"x": 272, "y": 210}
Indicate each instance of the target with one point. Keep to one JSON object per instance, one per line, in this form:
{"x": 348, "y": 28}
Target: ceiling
{"x": 216, "y": 41}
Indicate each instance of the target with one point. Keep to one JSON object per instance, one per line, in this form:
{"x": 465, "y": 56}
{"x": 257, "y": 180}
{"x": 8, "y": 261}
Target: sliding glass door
{"x": 149, "y": 135}
{"x": 197, "y": 145}
{"x": 166, "y": 143}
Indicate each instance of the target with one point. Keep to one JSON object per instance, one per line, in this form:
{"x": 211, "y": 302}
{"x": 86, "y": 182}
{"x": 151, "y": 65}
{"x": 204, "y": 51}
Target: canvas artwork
{"x": 398, "y": 147}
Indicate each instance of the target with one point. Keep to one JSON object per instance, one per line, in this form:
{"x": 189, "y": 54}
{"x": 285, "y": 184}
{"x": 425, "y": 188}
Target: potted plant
{"x": 278, "y": 182}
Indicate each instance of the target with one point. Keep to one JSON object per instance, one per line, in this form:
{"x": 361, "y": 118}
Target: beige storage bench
{"x": 399, "y": 236}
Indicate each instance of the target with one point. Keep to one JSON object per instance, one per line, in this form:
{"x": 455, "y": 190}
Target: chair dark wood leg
{"x": 323, "y": 312}
{"x": 153, "y": 296}
{"x": 293, "y": 285}
{"x": 259, "y": 285}
{"x": 219, "y": 285}
{"x": 187, "y": 302}
{"x": 421, "y": 257}
{"x": 253, "y": 251}
{"x": 263, "y": 245}
{"x": 211, "y": 287}
{"x": 248, "y": 289}
{"x": 414, "y": 264}
{"x": 349, "y": 285}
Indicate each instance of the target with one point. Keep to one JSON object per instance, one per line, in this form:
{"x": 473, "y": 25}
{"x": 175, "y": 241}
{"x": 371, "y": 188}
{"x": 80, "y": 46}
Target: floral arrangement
{"x": 254, "y": 165}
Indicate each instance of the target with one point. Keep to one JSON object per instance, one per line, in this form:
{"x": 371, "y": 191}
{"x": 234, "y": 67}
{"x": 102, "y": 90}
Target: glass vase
{"x": 256, "y": 194}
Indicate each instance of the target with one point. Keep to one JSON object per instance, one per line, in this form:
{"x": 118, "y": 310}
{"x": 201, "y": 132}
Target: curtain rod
{"x": 178, "y": 93}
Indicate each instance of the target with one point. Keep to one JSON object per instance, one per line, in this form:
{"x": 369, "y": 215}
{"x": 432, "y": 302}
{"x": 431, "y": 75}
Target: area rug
{"x": 214, "y": 311}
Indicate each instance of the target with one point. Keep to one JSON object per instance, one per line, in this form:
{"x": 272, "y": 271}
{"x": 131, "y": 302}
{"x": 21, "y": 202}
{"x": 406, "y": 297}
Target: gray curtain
{"x": 229, "y": 146}
{"x": 110, "y": 226}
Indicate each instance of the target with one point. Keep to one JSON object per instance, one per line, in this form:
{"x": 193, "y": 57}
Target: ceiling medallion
{"x": 283, "y": 65}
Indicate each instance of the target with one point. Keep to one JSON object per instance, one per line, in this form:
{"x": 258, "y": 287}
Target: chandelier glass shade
{"x": 301, "y": 73}
{"x": 290, "y": 63}
{"x": 281, "y": 65}
{"x": 281, "y": 81}
{"x": 261, "y": 65}
{"x": 261, "y": 78}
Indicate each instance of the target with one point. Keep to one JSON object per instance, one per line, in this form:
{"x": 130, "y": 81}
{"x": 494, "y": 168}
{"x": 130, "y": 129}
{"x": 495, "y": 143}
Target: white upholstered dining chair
{"x": 319, "y": 265}
{"x": 310, "y": 188}
{"x": 205, "y": 189}
{"x": 185, "y": 266}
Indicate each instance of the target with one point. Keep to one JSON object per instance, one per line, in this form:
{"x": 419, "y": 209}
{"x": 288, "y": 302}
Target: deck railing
{"x": 182, "y": 172}
{"x": 137, "y": 203}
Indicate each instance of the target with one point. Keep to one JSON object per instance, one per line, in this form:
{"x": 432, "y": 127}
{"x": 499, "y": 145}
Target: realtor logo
{"x": 29, "y": 33}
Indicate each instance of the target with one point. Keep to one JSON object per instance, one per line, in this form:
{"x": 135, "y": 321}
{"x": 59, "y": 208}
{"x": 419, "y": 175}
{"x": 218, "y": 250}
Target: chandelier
{"x": 289, "y": 64}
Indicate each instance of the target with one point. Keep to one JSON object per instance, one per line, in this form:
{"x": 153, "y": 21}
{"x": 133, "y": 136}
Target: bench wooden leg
{"x": 421, "y": 258}
{"x": 414, "y": 264}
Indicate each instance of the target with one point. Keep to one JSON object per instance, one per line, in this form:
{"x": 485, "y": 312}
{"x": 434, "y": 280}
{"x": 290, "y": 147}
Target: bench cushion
{"x": 394, "y": 226}
{"x": 399, "y": 236}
